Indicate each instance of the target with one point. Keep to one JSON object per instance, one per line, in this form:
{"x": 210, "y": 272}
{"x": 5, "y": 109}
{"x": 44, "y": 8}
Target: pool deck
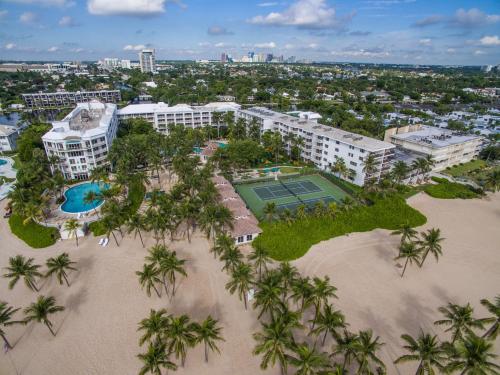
{"x": 7, "y": 170}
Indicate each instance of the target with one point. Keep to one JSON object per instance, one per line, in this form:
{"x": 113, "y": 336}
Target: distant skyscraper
{"x": 269, "y": 57}
{"x": 223, "y": 58}
{"x": 250, "y": 55}
{"x": 147, "y": 61}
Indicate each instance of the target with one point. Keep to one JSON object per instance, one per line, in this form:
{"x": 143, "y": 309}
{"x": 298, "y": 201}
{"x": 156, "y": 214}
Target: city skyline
{"x": 373, "y": 31}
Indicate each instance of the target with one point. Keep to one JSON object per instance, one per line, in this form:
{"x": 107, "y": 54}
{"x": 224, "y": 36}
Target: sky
{"x": 448, "y": 32}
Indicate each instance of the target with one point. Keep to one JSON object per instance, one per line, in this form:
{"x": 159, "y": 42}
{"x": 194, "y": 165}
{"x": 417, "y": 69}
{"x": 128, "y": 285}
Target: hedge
{"x": 445, "y": 189}
{"x": 35, "y": 235}
{"x": 286, "y": 242}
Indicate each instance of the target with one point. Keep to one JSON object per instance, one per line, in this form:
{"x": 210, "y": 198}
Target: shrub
{"x": 450, "y": 190}
{"x": 287, "y": 242}
{"x": 35, "y": 235}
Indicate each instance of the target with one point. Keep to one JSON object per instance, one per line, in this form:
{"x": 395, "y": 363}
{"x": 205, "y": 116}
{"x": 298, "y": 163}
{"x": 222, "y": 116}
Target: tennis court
{"x": 289, "y": 193}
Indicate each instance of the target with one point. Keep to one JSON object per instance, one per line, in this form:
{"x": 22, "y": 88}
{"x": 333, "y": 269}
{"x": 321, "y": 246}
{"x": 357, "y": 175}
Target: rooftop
{"x": 357, "y": 140}
{"x": 435, "y": 137}
{"x": 165, "y": 108}
{"x": 6, "y": 130}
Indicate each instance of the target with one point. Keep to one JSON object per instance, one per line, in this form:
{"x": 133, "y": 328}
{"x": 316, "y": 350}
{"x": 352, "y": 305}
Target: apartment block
{"x": 69, "y": 99}
{"x": 160, "y": 115}
{"x": 147, "y": 61}
{"x": 8, "y": 138}
{"x": 82, "y": 139}
{"x": 324, "y": 145}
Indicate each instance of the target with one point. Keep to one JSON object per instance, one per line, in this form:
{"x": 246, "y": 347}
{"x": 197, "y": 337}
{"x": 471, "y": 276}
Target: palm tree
{"x": 366, "y": 352}
{"x": 460, "y": 320}
{"x": 492, "y": 181}
{"x": 369, "y": 168}
{"x": 426, "y": 350}
{"x": 406, "y": 232}
{"x": 329, "y": 321}
{"x": 321, "y": 293}
{"x": 59, "y": 266}
{"x": 410, "y": 252}
{"x": 287, "y": 216}
{"x": 308, "y": 361}
{"x": 347, "y": 347}
{"x": 171, "y": 266}
{"x": 109, "y": 226}
{"x": 209, "y": 333}
{"x": 231, "y": 258}
{"x": 288, "y": 275}
{"x": 260, "y": 258}
{"x": 72, "y": 225}
{"x": 302, "y": 290}
{"x": 269, "y": 211}
{"x": 272, "y": 343}
{"x": 214, "y": 218}
{"x": 268, "y": 294}
{"x": 473, "y": 355}
{"x": 431, "y": 243}
{"x": 180, "y": 335}
{"x": 19, "y": 267}
{"x": 241, "y": 281}
{"x": 90, "y": 198}
{"x": 6, "y": 313}
{"x": 154, "y": 326}
{"x": 223, "y": 242}
{"x": 135, "y": 224}
{"x": 494, "y": 309}
{"x": 157, "y": 256}
{"x": 400, "y": 171}
{"x": 155, "y": 359}
{"x": 148, "y": 278}
{"x": 340, "y": 168}
{"x": 40, "y": 310}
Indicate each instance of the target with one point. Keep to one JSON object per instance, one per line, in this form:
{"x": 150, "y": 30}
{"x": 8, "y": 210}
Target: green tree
{"x": 308, "y": 361}
{"x": 366, "y": 352}
{"x": 208, "y": 333}
{"x": 173, "y": 266}
{"x": 154, "y": 326}
{"x": 494, "y": 310}
{"x": 270, "y": 211}
{"x": 155, "y": 359}
{"x": 406, "y": 232}
{"x": 6, "y": 314}
{"x": 72, "y": 225}
{"x": 40, "y": 311}
{"x": 430, "y": 242}
{"x": 410, "y": 252}
{"x": 460, "y": 320}
{"x": 321, "y": 293}
{"x": 260, "y": 258}
{"x": 59, "y": 267}
{"x": 473, "y": 355}
{"x": 136, "y": 223}
{"x": 347, "y": 347}
{"x": 329, "y": 321}
{"x": 426, "y": 350}
{"x": 19, "y": 267}
{"x": 180, "y": 335}
{"x": 273, "y": 343}
{"x": 241, "y": 281}
{"x": 148, "y": 278}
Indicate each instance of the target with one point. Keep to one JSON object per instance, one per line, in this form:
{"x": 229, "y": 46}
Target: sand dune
{"x": 96, "y": 334}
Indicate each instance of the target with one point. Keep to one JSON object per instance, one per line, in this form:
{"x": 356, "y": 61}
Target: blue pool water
{"x": 197, "y": 150}
{"x": 222, "y": 144}
{"x": 75, "y": 197}
{"x": 2, "y": 161}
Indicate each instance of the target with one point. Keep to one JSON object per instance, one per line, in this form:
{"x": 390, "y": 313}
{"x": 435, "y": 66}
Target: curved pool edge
{"x": 80, "y": 212}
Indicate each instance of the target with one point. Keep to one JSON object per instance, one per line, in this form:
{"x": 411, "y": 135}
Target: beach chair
{"x": 101, "y": 241}
{"x": 105, "y": 243}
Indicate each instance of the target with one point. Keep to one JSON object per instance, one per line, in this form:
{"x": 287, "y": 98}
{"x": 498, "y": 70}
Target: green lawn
{"x": 445, "y": 189}
{"x": 35, "y": 235}
{"x": 464, "y": 169}
{"x": 287, "y": 242}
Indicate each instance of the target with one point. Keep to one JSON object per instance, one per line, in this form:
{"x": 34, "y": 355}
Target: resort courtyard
{"x": 97, "y": 333}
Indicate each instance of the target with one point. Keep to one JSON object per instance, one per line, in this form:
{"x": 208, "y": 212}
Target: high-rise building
{"x": 269, "y": 57}
{"x": 125, "y": 64}
{"x": 223, "y": 58}
{"x": 147, "y": 60}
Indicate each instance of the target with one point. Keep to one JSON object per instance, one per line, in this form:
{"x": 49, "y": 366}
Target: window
{"x": 249, "y": 237}
{"x": 240, "y": 239}
{"x": 82, "y": 160}
{"x": 71, "y": 161}
{"x": 362, "y": 151}
{"x": 336, "y": 150}
{"x": 350, "y": 154}
{"x": 351, "y": 147}
{"x": 361, "y": 158}
{"x": 353, "y": 163}
{"x": 337, "y": 142}
{"x": 326, "y": 146}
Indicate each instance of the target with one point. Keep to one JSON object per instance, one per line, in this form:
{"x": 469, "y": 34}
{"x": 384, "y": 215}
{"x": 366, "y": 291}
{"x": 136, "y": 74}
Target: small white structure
{"x": 8, "y": 138}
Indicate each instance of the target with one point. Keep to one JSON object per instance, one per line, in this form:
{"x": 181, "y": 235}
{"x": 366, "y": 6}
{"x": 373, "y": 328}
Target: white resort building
{"x": 160, "y": 115}
{"x": 82, "y": 139}
{"x": 69, "y": 99}
{"x": 8, "y": 138}
{"x": 323, "y": 145}
{"x": 446, "y": 147}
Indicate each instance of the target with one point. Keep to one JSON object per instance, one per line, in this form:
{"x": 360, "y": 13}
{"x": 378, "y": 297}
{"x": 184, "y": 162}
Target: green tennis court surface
{"x": 289, "y": 193}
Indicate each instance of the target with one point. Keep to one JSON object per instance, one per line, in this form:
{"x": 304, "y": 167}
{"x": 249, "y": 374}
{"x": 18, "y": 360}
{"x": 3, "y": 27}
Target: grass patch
{"x": 287, "y": 242}
{"x": 445, "y": 189}
{"x": 464, "y": 169}
{"x": 135, "y": 197}
{"x": 35, "y": 235}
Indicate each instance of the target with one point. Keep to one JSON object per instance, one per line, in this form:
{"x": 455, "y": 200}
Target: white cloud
{"x": 220, "y": 45}
{"x": 57, "y": 3}
{"x": 265, "y": 45}
{"x": 138, "y": 8}
{"x": 67, "y": 21}
{"x": 492, "y": 40}
{"x": 53, "y": 49}
{"x": 479, "y": 52}
{"x": 204, "y": 44}
{"x": 28, "y": 17}
{"x": 367, "y": 53}
{"x": 269, "y": 4}
{"x": 309, "y": 14}
{"x": 218, "y": 30}
{"x": 425, "y": 42}
{"x": 289, "y": 46}
{"x": 137, "y": 47}
{"x": 10, "y": 46}
{"x": 451, "y": 50}
{"x": 76, "y": 50}
{"x": 473, "y": 18}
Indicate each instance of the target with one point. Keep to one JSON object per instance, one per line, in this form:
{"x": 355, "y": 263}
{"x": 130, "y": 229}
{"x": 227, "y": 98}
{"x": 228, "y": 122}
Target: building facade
{"x": 69, "y": 99}
{"x": 446, "y": 147}
{"x": 147, "y": 60}
{"x": 81, "y": 141}
{"x": 161, "y": 115}
{"x": 324, "y": 145}
{"x": 8, "y": 138}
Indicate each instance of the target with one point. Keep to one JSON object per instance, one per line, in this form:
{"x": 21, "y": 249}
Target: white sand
{"x": 97, "y": 332}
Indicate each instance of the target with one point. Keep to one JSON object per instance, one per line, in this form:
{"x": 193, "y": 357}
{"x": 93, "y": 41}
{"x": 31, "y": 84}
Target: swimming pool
{"x": 3, "y": 162}
{"x": 75, "y": 197}
{"x": 222, "y": 144}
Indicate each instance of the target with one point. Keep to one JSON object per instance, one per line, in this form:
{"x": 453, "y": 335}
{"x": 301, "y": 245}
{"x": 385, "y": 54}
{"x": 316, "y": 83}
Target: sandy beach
{"x": 97, "y": 333}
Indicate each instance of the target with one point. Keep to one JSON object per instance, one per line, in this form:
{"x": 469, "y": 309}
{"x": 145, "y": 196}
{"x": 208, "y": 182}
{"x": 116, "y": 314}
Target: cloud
{"x": 381, "y": 3}
{"x": 305, "y": 14}
{"x": 490, "y": 41}
{"x": 57, "y": 3}
{"x": 28, "y": 17}
{"x": 218, "y": 30}
{"x": 265, "y": 45}
{"x": 10, "y": 46}
{"x": 135, "y": 8}
{"x": 269, "y": 4}
{"x": 472, "y": 18}
{"x": 362, "y": 53}
{"x": 53, "y": 49}
{"x": 451, "y": 50}
{"x": 479, "y": 52}
{"x": 428, "y": 21}
{"x": 67, "y": 21}
{"x": 425, "y": 42}
{"x": 360, "y": 33}
{"x": 220, "y": 45}
{"x": 137, "y": 47}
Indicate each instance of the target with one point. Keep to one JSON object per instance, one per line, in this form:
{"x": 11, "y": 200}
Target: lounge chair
{"x": 101, "y": 241}
{"x": 105, "y": 243}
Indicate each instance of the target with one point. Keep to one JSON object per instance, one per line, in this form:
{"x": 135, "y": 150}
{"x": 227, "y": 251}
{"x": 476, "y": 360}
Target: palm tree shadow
{"x": 414, "y": 311}
{"x": 27, "y": 331}
{"x": 76, "y": 299}
{"x": 82, "y": 266}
